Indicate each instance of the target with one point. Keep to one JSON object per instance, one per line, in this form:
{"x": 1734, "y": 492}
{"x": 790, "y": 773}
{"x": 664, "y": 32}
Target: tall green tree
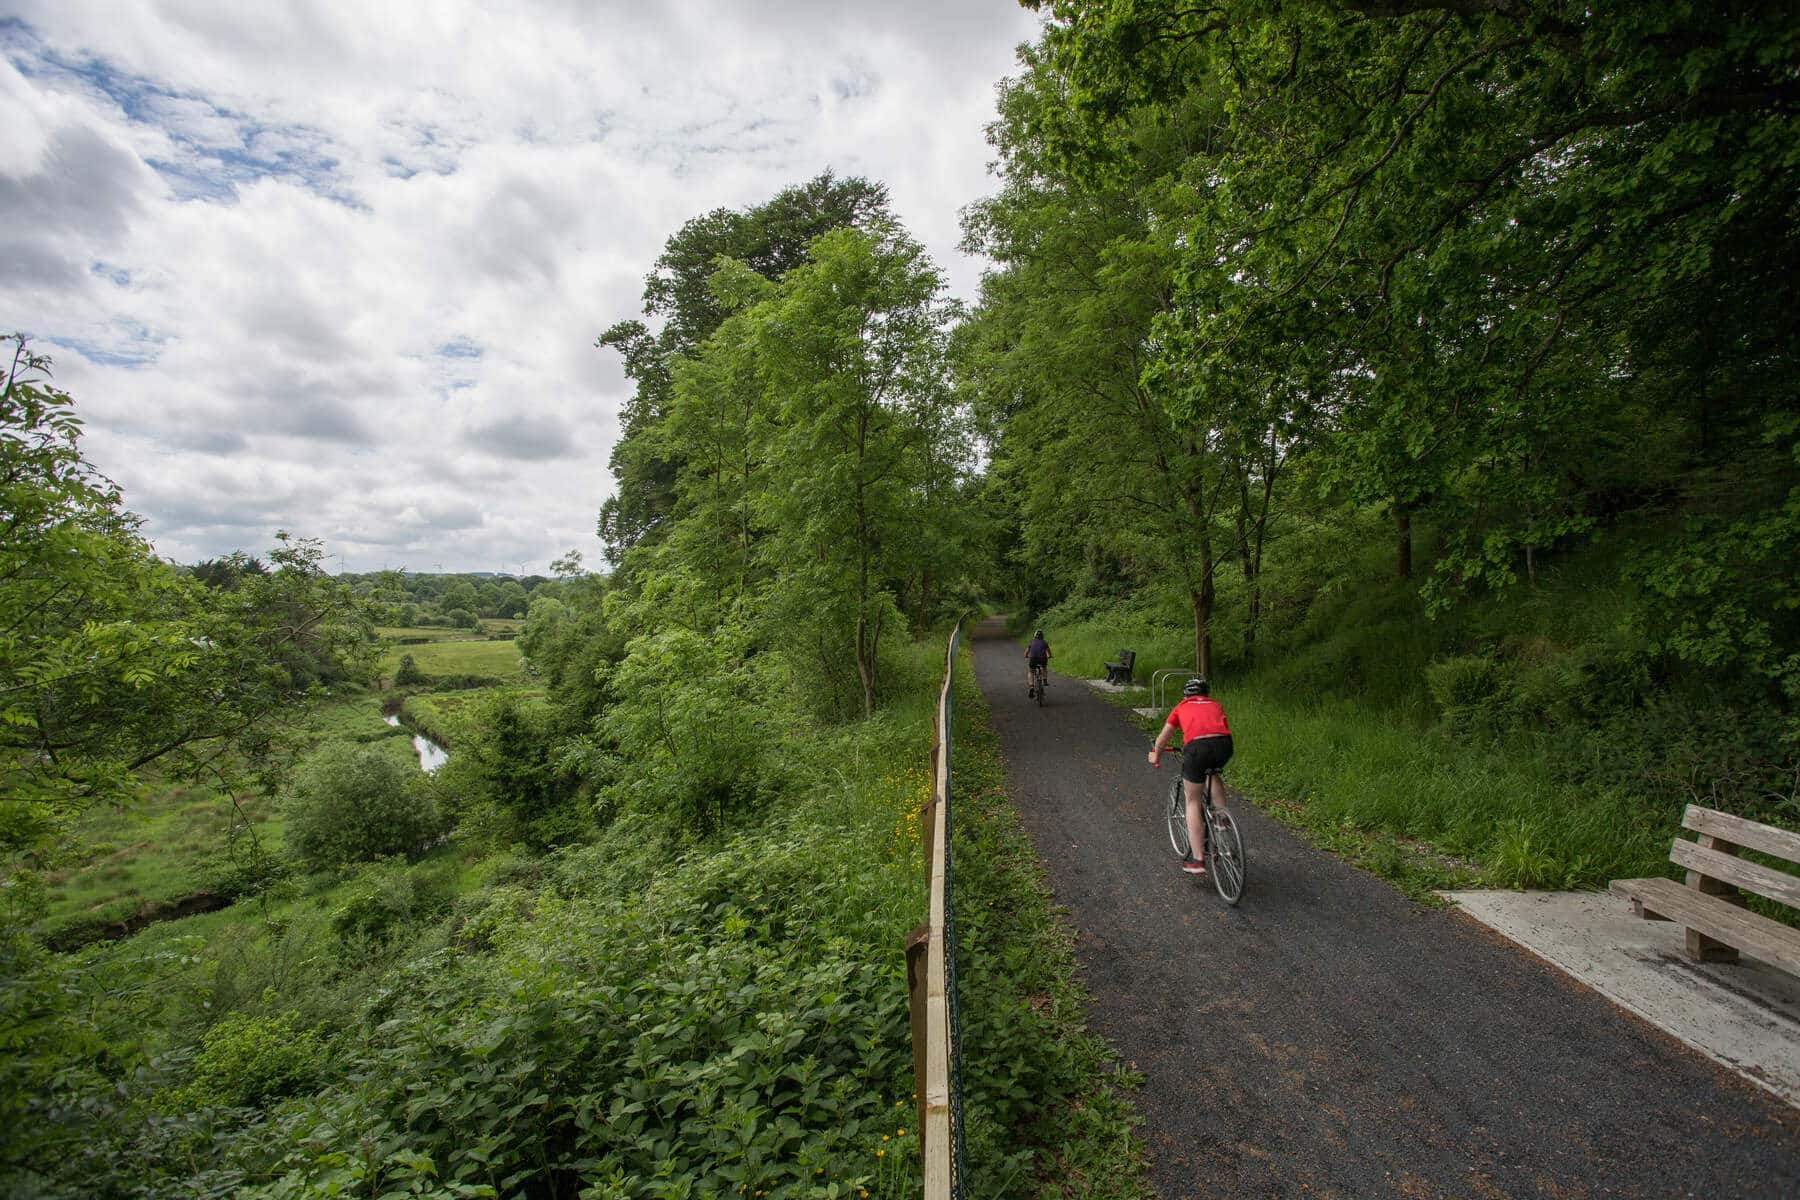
{"x": 770, "y": 239}
{"x": 850, "y": 347}
{"x": 1530, "y": 269}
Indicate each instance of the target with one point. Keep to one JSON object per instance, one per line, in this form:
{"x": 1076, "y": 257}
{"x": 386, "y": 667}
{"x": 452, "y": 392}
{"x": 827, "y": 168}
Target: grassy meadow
{"x": 181, "y": 839}
{"x": 471, "y": 653}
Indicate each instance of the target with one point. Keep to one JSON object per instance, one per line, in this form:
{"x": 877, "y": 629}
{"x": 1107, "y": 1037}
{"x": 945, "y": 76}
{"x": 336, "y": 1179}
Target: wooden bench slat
{"x": 1755, "y": 935}
{"x": 1739, "y": 872}
{"x": 1741, "y": 832}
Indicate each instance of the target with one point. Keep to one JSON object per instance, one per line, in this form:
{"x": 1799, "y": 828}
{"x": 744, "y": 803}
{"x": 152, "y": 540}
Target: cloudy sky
{"x": 337, "y": 267}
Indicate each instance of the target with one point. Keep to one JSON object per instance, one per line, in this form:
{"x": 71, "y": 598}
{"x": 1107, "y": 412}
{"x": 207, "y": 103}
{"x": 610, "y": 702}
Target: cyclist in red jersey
{"x": 1206, "y": 744}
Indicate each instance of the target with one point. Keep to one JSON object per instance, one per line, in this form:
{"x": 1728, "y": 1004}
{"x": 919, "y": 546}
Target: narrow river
{"x": 431, "y": 755}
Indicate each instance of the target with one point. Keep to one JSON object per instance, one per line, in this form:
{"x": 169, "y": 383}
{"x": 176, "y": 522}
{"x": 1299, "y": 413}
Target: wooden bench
{"x": 1711, "y": 904}
{"x": 1120, "y": 672}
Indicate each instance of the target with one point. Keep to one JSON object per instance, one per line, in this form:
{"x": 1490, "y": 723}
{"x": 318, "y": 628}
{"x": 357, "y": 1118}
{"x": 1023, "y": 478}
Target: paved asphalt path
{"x": 1329, "y": 1037}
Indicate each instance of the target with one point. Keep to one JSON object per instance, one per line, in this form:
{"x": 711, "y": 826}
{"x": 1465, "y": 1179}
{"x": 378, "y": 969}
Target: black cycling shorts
{"x": 1202, "y": 754}
{"x": 1037, "y": 662}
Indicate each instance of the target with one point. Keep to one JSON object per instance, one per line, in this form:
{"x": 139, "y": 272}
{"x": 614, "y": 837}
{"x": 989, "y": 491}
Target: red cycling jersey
{"x": 1199, "y": 716}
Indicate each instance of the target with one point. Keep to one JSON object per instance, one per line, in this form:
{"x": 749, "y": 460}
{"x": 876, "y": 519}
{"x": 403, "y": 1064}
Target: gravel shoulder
{"x": 1329, "y": 1037}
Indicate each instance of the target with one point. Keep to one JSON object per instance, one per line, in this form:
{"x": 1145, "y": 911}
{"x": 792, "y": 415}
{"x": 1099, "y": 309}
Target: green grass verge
{"x": 1342, "y": 766}
{"x": 1424, "y": 810}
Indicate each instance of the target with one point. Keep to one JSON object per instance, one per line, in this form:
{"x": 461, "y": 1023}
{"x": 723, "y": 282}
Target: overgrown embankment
{"x": 647, "y": 1011}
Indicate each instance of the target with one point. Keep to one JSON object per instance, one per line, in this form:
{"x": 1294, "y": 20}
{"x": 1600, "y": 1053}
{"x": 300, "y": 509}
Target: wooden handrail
{"x": 936, "y": 1144}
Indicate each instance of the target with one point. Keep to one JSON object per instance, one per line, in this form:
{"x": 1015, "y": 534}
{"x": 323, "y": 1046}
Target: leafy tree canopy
{"x": 111, "y": 660}
{"x": 770, "y": 239}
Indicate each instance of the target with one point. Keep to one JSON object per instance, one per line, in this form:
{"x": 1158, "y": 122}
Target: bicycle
{"x": 1040, "y": 679}
{"x": 1224, "y": 849}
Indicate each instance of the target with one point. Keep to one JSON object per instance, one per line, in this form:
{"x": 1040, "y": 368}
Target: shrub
{"x": 485, "y": 918}
{"x": 504, "y": 778}
{"x": 408, "y": 673}
{"x": 350, "y": 803}
{"x": 251, "y": 1060}
{"x": 462, "y": 618}
{"x": 1582, "y": 686}
{"x": 664, "y": 720}
{"x": 246, "y": 869}
{"x": 1465, "y": 688}
{"x": 386, "y": 900}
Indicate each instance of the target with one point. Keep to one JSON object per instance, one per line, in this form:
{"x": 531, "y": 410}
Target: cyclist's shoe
{"x": 1031, "y": 693}
{"x": 1193, "y": 866}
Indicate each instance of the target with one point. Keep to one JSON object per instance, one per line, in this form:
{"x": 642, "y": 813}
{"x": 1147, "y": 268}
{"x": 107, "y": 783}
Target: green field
{"x": 497, "y": 659}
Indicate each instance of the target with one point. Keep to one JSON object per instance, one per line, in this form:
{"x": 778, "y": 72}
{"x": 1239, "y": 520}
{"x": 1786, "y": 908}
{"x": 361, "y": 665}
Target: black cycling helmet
{"x": 1038, "y": 633}
{"x": 1197, "y": 686}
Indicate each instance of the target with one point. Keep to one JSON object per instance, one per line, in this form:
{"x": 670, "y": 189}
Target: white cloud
{"x": 338, "y": 268}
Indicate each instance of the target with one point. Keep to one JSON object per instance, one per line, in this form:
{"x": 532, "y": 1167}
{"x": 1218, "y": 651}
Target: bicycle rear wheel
{"x": 1178, "y": 833}
{"x": 1224, "y": 854}
{"x": 1040, "y": 686}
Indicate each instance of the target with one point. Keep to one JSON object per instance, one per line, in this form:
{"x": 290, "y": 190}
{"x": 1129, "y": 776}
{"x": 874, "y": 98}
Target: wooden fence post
{"x": 918, "y": 944}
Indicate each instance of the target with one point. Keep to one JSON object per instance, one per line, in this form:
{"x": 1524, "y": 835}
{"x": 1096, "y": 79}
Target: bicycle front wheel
{"x": 1178, "y": 833}
{"x": 1225, "y": 855}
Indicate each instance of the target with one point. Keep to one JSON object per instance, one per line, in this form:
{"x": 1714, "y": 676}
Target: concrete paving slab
{"x": 1745, "y": 1015}
{"x": 1102, "y": 685}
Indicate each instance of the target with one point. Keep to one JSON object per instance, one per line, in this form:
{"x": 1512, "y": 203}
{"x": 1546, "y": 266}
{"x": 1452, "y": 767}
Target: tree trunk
{"x": 1202, "y": 634}
{"x": 1254, "y": 616}
{"x": 1403, "y": 531}
{"x": 865, "y": 664}
{"x": 1204, "y": 599}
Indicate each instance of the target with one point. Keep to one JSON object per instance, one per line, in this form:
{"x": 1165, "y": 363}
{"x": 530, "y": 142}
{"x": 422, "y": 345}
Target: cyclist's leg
{"x": 1217, "y": 755}
{"x": 1196, "y": 821}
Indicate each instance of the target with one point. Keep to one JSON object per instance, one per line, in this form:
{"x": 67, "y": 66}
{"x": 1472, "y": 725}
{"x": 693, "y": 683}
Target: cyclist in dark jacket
{"x": 1037, "y": 654}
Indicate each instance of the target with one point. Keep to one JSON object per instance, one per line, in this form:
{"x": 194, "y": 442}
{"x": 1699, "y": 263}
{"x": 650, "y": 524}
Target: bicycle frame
{"x": 1225, "y": 862}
